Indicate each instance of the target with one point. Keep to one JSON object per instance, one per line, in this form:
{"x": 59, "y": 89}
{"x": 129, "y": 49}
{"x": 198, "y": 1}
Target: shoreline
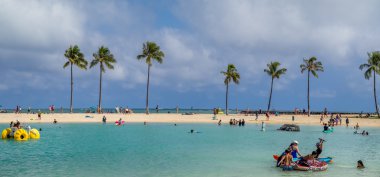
{"x": 6, "y": 118}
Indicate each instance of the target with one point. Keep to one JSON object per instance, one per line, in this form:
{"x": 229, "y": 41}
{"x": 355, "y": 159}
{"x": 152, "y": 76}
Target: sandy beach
{"x": 177, "y": 118}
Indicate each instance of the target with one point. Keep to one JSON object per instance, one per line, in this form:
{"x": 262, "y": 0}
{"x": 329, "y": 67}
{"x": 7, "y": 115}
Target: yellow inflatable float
{"x": 6, "y": 133}
{"x": 34, "y": 134}
{"x": 20, "y": 134}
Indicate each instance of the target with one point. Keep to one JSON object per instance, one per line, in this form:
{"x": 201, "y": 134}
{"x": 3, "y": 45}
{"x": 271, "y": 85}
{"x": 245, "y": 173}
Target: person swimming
{"x": 193, "y": 131}
{"x": 360, "y": 165}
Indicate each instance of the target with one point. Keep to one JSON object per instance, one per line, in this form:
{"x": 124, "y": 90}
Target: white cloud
{"x": 323, "y": 93}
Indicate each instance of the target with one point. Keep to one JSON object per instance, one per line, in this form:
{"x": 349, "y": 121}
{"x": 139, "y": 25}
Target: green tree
{"x": 312, "y": 66}
{"x": 230, "y": 75}
{"x": 104, "y": 58}
{"x": 372, "y": 66}
{"x": 150, "y": 52}
{"x": 273, "y": 71}
{"x": 74, "y": 58}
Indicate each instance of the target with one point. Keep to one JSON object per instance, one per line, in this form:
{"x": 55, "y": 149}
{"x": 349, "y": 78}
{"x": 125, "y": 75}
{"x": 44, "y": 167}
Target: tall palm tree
{"x": 75, "y": 58}
{"x": 150, "y": 51}
{"x": 105, "y": 58}
{"x": 273, "y": 71}
{"x": 312, "y": 66}
{"x": 372, "y": 66}
{"x": 230, "y": 75}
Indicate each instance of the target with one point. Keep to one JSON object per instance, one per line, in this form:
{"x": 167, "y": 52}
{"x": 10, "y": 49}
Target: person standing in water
{"x": 356, "y": 126}
{"x": 347, "y": 121}
{"x": 262, "y": 126}
{"x": 104, "y": 120}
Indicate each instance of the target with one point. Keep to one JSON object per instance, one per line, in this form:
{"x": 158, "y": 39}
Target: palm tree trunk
{"x": 227, "y": 98}
{"x": 374, "y": 92}
{"x": 147, "y": 92}
{"x": 308, "y": 93}
{"x": 100, "y": 89}
{"x": 270, "y": 95}
{"x": 71, "y": 93}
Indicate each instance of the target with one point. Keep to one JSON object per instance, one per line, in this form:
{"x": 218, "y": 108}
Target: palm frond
{"x": 66, "y": 64}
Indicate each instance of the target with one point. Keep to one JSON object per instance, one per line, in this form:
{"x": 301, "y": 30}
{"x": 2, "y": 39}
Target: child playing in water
{"x": 286, "y": 161}
{"x": 360, "y": 165}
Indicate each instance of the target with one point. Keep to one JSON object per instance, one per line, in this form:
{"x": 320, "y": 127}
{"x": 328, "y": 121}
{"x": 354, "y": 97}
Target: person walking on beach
{"x": 157, "y": 109}
{"x": 347, "y": 121}
{"x": 257, "y": 115}
{"x": 39, "y": 115}
{"x": 267, "y": 115}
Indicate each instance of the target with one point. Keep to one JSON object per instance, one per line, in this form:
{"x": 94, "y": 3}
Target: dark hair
{"x": 314, "y": 153}
{"x": 360, "y": 162}
{"x": 287, "y": 151}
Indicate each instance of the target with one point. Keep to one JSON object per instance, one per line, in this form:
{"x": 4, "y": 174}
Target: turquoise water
{"x": 167, "y": 150}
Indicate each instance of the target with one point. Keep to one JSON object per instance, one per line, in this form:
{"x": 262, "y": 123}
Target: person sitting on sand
{"x": 360, "y": 164}
{"x": 294, "y": 149}
{"x": 286, "y": 161}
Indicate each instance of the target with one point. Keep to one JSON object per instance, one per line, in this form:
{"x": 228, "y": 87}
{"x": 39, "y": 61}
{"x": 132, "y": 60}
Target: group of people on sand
{"x": 240, "y": 122}
{"x": 286, "y": 159}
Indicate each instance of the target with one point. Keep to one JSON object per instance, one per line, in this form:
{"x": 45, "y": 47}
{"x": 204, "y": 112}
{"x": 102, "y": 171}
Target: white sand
{"x": 176, "y": 118}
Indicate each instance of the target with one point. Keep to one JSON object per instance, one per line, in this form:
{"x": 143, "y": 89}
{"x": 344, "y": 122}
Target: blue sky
{"x": 199, "y": 39}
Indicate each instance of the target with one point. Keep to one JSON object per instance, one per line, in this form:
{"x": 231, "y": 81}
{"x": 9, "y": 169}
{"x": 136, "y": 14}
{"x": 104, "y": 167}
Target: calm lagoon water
{"x": 162, "y": 149}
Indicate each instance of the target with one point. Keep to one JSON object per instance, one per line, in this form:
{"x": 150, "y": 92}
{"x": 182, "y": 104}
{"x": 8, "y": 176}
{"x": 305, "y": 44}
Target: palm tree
{"x": 151, "y": 51}
{"x": 230, "y": 75}
{"x": 274, "y": 72}
{"x": 104, "y": 58}
{"x": 372, "y": 66}
{"x": 74, "y": 57}
{"x": 312, "y": 66}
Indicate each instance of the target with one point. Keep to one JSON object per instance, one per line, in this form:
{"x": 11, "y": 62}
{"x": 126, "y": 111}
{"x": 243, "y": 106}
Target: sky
{"x": 199, "y": 39}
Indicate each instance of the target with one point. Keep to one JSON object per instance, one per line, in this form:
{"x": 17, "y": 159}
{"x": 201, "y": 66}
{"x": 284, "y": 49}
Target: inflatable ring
{"x": 34, "y": 134}
{"x": 6, "y": 133}
{"x": 21, "y": 135}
